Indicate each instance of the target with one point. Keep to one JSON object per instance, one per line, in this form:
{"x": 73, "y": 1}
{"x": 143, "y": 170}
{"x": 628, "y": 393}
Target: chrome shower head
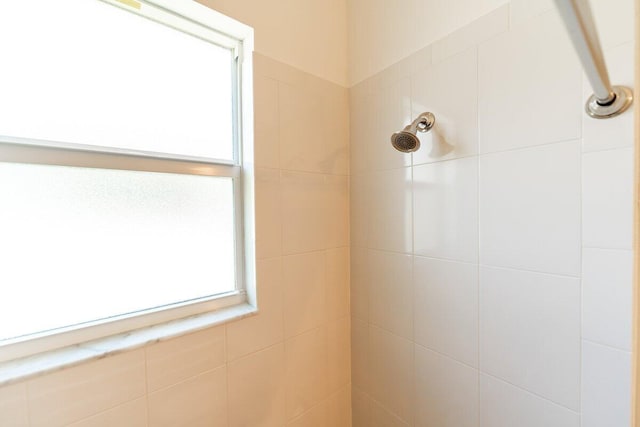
{"x": 406, "y": 140}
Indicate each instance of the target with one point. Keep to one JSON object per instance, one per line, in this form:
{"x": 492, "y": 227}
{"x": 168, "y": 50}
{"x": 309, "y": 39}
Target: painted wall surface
{"x": 309, "y": 35}
{"x": 382, "y": 32}
{"x": 491, "y": 270}
{"x": 288, "y": 365}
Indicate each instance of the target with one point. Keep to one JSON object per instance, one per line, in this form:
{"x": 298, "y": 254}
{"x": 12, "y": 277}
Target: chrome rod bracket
{"x": 622, "y": 100}
{"x": 607, "y": 101}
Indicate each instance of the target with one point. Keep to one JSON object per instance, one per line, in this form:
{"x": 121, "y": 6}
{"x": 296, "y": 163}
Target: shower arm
{"x": 607, "y": 101}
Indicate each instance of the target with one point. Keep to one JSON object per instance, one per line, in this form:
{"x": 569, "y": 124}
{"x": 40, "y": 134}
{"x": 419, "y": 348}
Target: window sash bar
{"x": 21, "y": 150}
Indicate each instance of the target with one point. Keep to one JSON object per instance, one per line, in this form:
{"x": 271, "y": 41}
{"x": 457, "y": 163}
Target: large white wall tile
{"x": 304, "y": 278}
{"x": 338, "y": 355}
{"x": 390, "y": 223}
{"x": 392, "y": 112}
{"x": 300, "y": 149}
{"x": 391, "y": 368}
{"x": 360, "y": 187}
{"x": 360, "y": 281}
{"x": 176, "y": 360}
{"x": 13, "y": 406}
{"x": 360, "y": 409}
{"x": 338, "y": 408}
{"x": 614, "y": 21}
{"x": 606, "y": 386}
{"x": 305, "y": 371}
{"x": 530, "y": 332}
{"x": 449, "y": 90}
{"x": 391, "y": 292}
{"x": 257, "y": 389}
{"x": 615, "y": 132}
{"x": 267, "y": 326}
{"x": 381, "y": 417}
{"x": 607, "y": 199}
{"x": 337, "y": 283}
{"x": 314, "y": 417}
{"x": 446, "y": 391}
{"x": 130, "y": 414}
{"x": 198, "y": 402}
{"x": 266, "y": 121}
{"x": 530, "y": 209}
{"x": 607, "y": 296}
{"x": 362, "y": 130}
{"x": 314, "y": 127}
{"x": 445, "y": 209}
{"x": 304, "y": 224}
{"x": 521, "y": 11}
{"x": 398, "y": 72}
{"x": 529, "y": 86}
{"x": 503, "y": 405}
{"x": 73, "y": 394}
{"x": 446, "y": 308}
{"x": 336, "y": 211}
{"x": 478, "y": 31}
{"x": 268, "y": 202}
{"x": 360, "y": 371}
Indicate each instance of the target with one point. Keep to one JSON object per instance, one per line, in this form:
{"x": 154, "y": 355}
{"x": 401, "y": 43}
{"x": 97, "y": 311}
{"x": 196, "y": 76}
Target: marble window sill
{"x": 22, "y": 369}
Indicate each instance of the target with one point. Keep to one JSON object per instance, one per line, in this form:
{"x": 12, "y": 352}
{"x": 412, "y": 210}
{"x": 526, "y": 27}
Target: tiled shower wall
{"x": 491, "y": 269}
{"x": 286, "y": 366}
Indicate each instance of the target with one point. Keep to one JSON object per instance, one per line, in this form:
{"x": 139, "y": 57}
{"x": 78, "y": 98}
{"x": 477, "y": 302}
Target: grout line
{"x": 565, "y": 276}
{"x": 110, "y": 408}
{"x": 530, "y": 392}
{"x": 385, "y": 408}
{"x": 312, "y": 251}
{"x": 604, "y": 150}
{"x": 255, "y": 352}
{"x": 146, "y": 385}
{"x": 607, "y": 346}
{"x": 300, "y": 171}
{"x": 27, "y": 402}
{"x": 606, "y": 249}
{"x": 478, "y": 210}
{"x": 278, "y": 117}
{"x": 480, "y": 264}
{"x": 448, "y": 356}
{"x": 479, "y": 154}
{"x": 581, "y": 228}
{"x": 226, "y": 375}
{"x": 190, "y": 378}
{"x": 532, "y": 146}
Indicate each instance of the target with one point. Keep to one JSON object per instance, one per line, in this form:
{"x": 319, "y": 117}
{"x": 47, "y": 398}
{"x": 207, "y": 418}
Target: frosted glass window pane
{"x": 81, "y": 244}
{"x": 86, "y": 72}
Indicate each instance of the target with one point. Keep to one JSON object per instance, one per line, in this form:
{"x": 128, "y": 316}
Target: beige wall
{"x": 381, "y": 32}
{"x": 309, "y": 35}
{"x": 290, "y": 364}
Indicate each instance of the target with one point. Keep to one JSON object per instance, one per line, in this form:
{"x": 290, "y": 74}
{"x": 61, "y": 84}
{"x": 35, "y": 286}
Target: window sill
{"x": 45, "y": 363}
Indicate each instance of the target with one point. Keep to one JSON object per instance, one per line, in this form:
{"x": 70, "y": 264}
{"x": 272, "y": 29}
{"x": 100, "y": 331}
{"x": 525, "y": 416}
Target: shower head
{"x": 406, "y": 140}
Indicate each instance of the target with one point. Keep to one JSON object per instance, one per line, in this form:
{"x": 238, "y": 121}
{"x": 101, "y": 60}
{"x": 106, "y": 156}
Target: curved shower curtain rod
{"x": 607, "y": 100}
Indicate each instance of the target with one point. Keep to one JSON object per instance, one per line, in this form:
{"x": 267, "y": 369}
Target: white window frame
{"x": 205, "y": 23}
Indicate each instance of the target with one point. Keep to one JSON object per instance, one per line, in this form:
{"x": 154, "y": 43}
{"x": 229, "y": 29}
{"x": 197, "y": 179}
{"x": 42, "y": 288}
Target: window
{"x": 125, "y": 132}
